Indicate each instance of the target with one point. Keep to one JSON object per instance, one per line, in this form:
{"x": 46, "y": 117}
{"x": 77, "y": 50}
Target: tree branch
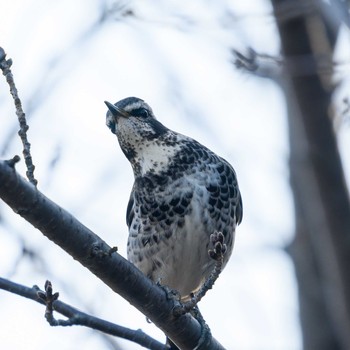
{"x": 321, "y": 250}
{"x": 76, "y": 317}
{"x": 92, "y": 252}
{"x": 5, "y": 66}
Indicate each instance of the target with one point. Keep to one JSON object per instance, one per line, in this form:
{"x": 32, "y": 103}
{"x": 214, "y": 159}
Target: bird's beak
{"x": 116, "y": 112}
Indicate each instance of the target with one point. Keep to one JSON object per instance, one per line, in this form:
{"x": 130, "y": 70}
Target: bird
{"x": 182, "y": 193}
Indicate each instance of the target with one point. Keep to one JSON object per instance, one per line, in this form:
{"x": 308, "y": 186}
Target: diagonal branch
{"x": 77, "y": 317}
{"x": 92, "y": 252}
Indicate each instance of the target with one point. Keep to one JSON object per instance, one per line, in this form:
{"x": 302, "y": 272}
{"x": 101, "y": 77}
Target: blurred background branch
{"x": 321, "y": 248}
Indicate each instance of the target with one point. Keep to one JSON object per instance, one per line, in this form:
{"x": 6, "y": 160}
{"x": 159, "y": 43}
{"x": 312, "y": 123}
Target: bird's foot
{"x": 181, "y": 308}
{"x": 205, "y": 334}
{"x": 171, "y": 294}
{"x": 205, "y": 330}
{"x": 217, "y": 253}
{"x": 218, "y": 241}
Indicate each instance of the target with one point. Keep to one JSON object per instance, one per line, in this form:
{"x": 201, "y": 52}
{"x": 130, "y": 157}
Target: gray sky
{"x": 67, "y": 61}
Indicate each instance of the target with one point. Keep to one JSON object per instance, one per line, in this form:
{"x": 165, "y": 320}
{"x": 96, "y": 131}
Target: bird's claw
{"x": 220, "y": 248}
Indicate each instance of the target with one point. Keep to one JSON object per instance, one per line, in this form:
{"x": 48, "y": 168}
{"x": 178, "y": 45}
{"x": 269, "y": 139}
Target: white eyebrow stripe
{"x": 133, "y": 106}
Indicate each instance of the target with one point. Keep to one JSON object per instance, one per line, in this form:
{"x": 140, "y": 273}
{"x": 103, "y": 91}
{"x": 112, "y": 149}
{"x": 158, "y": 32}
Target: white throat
{"x": 155, "y": 157}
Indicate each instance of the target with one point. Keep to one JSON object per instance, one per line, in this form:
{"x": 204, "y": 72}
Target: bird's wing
{"x": 130, "y": 210}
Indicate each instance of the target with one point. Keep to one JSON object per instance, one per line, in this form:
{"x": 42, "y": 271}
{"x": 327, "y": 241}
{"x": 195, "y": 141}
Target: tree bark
{"x": 93, "y": 253}
{"x": 321, "y": 249}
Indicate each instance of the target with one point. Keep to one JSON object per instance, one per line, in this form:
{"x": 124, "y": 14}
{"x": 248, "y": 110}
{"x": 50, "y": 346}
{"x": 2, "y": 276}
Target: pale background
{"x": 70, "y": 56}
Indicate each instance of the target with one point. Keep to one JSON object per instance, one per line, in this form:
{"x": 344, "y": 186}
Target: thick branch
{"x": 76, "y": 317}
{"x": 92, "y": 252}
{"x": 319, "y": 187}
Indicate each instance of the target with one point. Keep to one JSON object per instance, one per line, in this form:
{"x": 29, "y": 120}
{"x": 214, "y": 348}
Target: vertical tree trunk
{"x": 321, "y": 249}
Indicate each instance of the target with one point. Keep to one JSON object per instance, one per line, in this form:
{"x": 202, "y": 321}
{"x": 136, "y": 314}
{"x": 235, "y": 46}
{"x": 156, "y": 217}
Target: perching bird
{"x": 182, "y": 193}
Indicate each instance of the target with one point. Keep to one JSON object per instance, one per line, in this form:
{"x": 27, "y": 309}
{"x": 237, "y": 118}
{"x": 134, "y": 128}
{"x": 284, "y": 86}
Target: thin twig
{"x": 76, "y": 317}
{"x": 5, "y": 66}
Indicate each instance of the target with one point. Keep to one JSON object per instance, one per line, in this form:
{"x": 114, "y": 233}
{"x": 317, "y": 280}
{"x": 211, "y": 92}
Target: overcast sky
{"x": 68, "y": 57}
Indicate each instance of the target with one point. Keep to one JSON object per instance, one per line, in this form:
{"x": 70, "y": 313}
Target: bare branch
{"x": 93, "y": 253}
{"x": 5, "y": 66}
{"x": 76, "y": 317}
{"x": 261, "y": 65}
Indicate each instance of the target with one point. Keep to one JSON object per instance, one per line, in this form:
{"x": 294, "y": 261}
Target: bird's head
{"x": 133, "y": 122}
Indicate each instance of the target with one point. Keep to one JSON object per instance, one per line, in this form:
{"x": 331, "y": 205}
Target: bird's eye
{"x": 141, "y": 112}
